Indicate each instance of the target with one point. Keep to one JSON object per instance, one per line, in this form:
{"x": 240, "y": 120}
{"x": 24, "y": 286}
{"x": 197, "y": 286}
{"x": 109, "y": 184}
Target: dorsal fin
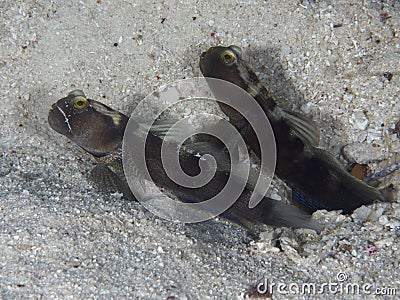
{"x": 305, "y": 128}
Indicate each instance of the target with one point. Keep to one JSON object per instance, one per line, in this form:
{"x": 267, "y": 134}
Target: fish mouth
{"x": 204, "y": 63}
{"x": 58, "y": 120}
{"x": 201, "y": 63}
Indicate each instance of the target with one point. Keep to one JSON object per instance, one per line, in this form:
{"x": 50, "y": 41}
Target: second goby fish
{"x": 317, "y": 179}
{"x": 99, "y": 130}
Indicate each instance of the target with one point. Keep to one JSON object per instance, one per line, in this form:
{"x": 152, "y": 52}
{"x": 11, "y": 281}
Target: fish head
{"x": 226, "y": 63}
{"x": 95, "y": 127}
{"x": 222, "y": 63}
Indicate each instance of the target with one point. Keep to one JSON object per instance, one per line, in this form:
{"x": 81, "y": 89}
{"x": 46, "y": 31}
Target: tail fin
{"x": 272, "y": 212}
{"x": 282, "y": 214}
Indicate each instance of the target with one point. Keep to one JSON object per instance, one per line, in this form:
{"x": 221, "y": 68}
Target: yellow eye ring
{"x": 80, "y": 102}
{"x": 228, "y": 57}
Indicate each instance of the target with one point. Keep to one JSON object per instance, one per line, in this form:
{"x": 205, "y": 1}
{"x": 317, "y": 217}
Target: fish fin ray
{"x": 303, "y": 126}
{"x": 276, "y": 213}
{"x": 161, "y": 128}
{"x": 106, "y": 180}
{"x": 292, "y": 216}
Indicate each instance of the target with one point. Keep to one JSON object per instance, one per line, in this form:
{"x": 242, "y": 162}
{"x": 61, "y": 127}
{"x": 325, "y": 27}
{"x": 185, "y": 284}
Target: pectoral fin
{"x": 305, "y": 128}
{"x": 107, "y": 181}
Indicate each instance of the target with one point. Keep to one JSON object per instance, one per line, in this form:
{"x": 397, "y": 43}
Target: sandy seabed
{"x": 337, "y": 62}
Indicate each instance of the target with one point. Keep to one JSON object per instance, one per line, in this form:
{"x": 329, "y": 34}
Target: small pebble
{"x": 362, "y": 213}
{"x": 363, "y": 153}
{"x": 359, "y": 120}
{"x": 383, "y": 220}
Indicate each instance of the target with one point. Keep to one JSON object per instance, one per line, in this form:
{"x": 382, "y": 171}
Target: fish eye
{"x": 228, "y": 57}
{"x": 80, "y": 102}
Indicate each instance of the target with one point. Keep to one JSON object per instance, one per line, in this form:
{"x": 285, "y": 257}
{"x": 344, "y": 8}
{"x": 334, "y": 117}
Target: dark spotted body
{"x": 317, "y": 179}
{"x": 99, "y": 130}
